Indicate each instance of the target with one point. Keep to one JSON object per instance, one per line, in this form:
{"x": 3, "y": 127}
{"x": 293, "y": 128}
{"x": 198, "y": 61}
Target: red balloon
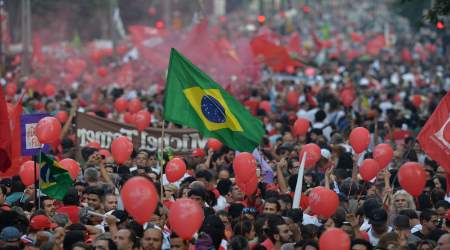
{"x": 266, "y": 106}
{"x": 369, "y": 169}
{"x": 175, "y": 169}
{"x": 292, "y": 98}
{"x": 128, "y": 118}
{"x": 50, "y": 90}
{"x": 359, "y": 139}
{"x": 244, "y": 166}
{"x": 104, "y": 152}
{"x": 93, "y": 144}
{"x": 134, "y": 105}
{"x": 139, "y": 198}
{"x": 102, "y": 72}
{"x": 214, "y": 144}
{"x": 27, "y": 173}
{"x": 383, "y": 154}
{"x": 412, "y": 178}
{"x": 11, "y": 89}
{"x": 347, "y": 98}
{"x": 323, "y": 201}
{"x": 183, "y": 211}
{"x": 120, "y": 104}
{"x": 62, "y": 116}
{"x": 48, "y": 130}
{"x": 447, "y": 132}
{"x": 313, "y": 154}
{"x": 334, "y": 239}
{"x": 301, "y": 127}
{"x": 416, "y": 100}
{"x": 121, "y": 149}
{"x": 250, "y": 187}
{"x": 142, "y": 120}
{"x": 71, "y": 166}
{"x": 31, "y": 83}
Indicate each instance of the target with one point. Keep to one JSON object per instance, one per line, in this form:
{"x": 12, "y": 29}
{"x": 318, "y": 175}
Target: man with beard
{"x": 152, "y": 238}
{"x": 278, "y": 233}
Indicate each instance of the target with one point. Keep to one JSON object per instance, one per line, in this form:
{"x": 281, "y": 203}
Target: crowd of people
{"x": 376, "y": 214}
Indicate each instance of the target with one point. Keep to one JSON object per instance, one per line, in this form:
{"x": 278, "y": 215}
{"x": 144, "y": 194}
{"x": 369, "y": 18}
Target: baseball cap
{"x": 198, "y": 152}
{"x": 378, "y": 217}
{"x": 10, "y": 234}
{"x": 325, "y": 153}
{"x": 40, "y": 222}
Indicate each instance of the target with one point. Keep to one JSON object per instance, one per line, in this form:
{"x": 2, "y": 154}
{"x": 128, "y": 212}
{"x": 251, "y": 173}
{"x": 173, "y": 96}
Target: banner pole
{"x": 161, "y": 162}
{"x": 298, "y": 187}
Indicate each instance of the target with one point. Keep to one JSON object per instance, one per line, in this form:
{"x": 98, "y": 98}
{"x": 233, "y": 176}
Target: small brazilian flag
{"x": 54, "y": 181}
{"x": 193, "y": 99}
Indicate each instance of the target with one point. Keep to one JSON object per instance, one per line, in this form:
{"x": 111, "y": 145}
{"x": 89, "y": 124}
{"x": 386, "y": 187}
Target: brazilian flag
{"x": 54, "y": 181}
{"x": 193, "y": 99}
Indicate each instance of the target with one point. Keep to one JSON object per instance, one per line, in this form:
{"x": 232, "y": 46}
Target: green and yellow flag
{"x": 193, "y": 99}
{"x": 54, "y": 181}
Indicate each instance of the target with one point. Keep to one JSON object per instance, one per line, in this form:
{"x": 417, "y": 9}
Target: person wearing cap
{"x": 378, "y": 225}
{"x": 10, "y": 237}
{"x": 41, "y": 222}
{"x": 403, "y": 227}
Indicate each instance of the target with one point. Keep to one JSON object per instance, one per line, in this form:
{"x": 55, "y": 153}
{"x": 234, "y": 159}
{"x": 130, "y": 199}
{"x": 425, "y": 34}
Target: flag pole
{"x": 161, "y": 162}
{"x": 298, "y": 187}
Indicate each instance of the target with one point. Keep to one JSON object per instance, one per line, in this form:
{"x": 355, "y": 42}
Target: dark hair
{"x": 411, "y": 213}
{"x": 274, "y": 201}
{"x": 198, "y": 192}
{"x": 243, "y": 227}
{"x": 320, "y": 116}
{"x": 442, "y": 203}
{"x": 143, "y": 150}
{"x": 44, "y": 198}
{"x": 71, "y": 198}
{"x": 437, "y": 195}
{"x": 305, "y": 243}
{"x": 205, "y": 174}
{"x": 71, "y": 238}
{"x": 426, "y": 215}
{"x": 81, "y": 244}
{"x": 362, "y": 242}
{"x": 295, "y": 215}
{"x": 285, "y": 198}
{"x": 215, "y": 228}
{"x": 273, "y": 222}
{"x": 95, "y": 190}
{"x": 239, "y": 242}
{"x": 3, "y": 189}
{"x": 111, "y": 243}
{"x": 224, "y": 187}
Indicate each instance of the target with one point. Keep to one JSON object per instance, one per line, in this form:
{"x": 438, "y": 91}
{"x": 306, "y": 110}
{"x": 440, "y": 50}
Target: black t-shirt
{"x": 420, "y": 235}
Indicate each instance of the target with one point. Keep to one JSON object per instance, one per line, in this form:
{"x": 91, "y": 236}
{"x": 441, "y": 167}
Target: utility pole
{"x": 112, "y": 27}
{"x": 26, "y": 37}
{"x": 167, "y": 8}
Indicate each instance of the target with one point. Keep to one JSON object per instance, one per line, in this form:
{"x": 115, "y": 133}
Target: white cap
{"x": 325, "y": 153}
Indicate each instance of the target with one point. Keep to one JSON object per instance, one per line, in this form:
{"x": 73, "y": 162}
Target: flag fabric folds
{"x": 55, "y": 181}
{"x": 193, "y": 99}
{"x": 5, "y": 135}
{"x": 434, "y": 138}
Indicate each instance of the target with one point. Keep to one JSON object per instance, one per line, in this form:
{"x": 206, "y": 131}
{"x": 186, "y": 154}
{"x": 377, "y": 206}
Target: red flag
{"x": 5, "y": 135}
{"x": 16, "y": 159}
{"x": 434, "y": 138}
{"x": 294, "y": 44}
